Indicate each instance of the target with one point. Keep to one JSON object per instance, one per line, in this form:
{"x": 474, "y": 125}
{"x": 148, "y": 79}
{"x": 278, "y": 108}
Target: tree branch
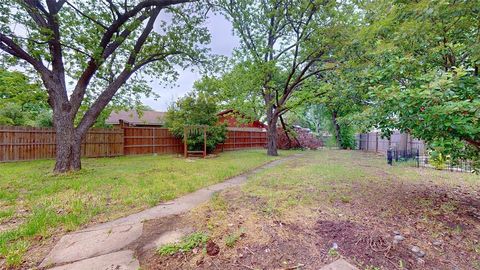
{"x": 86, "y": 16}
{"x": 12, "y": 48}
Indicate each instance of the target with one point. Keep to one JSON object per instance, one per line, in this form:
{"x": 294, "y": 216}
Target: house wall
{"x": 232, "y": 121}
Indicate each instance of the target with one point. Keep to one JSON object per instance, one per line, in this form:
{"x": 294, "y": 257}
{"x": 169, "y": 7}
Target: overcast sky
{"x": 223, "y": 42}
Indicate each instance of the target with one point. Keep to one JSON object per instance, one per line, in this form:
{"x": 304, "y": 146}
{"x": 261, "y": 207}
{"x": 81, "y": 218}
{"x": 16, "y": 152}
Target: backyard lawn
{"x": 35, "y": 204}
{"x": 329, "y": 204}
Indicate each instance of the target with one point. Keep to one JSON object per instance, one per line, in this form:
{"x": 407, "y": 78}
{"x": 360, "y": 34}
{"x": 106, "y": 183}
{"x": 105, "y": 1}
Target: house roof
{"x": 233, "y": 112}
{"x": 225, "y": 112}
{"x": 132, "y": 117}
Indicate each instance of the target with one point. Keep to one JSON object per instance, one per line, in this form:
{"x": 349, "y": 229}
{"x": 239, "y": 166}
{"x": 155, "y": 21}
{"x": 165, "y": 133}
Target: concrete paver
{"x": 121, "y": 260}
{"x": 340, "y": 264}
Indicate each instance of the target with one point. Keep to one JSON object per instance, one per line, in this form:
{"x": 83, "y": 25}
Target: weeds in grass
{"x": 345, "y": 199}
{"x": 371, "y": 267}
{"x": 187, "y": 244}
{"x": 218, "y": 202}
{"x": 14, "y": 256}
{"x": 233, "y": 238}
{"x": 333, "y": 252}
{"x": 5, "y": 214}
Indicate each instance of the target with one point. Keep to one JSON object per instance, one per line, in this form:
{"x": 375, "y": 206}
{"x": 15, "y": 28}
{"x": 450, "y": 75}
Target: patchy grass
{"x": 187, "y": 244}
{"x": 292, "y": 214}
{"x": 35, "y": 203}
{"x": 233, "y": 238}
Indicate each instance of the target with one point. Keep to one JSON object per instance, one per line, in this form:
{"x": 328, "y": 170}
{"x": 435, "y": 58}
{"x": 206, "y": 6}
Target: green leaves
{"x": 196, "y": 109}
{"x": 421, "y": 73}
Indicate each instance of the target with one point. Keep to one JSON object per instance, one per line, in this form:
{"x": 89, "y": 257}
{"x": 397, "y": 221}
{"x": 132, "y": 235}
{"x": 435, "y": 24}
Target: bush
{"x": 196, "y": 109}
{"x": 347, "y": 134}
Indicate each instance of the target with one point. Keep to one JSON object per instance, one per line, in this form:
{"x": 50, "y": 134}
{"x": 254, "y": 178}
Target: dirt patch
{"x": 145, "y": 245}
{"x": 212, "y": 248}
{"x": 364, "y": 245}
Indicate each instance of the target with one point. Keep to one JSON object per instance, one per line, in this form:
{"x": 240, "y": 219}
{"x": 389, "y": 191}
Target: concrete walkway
{"x": 102, "y": 246}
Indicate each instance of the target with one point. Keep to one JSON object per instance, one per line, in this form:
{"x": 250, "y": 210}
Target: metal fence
{"x": 403, "y": 143}
{"x": 457, "y": 166}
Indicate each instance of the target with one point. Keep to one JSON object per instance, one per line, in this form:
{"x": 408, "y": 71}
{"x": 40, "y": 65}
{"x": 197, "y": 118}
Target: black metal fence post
{"x": 418, "y": 158}
{"x": 390, "y": 156}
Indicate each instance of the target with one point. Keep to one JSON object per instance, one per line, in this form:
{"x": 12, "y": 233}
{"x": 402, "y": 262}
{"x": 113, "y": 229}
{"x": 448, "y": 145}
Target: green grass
{"x": 187, "y": 244}
{"x": 233, "y": 238}
{"x": 105, "y": 189}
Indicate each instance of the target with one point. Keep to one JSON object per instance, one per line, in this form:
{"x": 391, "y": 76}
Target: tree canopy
{"x": 90, "y": 53}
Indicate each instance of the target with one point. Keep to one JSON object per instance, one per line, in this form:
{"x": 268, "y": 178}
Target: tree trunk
{"x": 272, "y": 135}
{"x": 68, "y": 144}
{"x": 286, "y": 132}
{"x": 336, "y": 126}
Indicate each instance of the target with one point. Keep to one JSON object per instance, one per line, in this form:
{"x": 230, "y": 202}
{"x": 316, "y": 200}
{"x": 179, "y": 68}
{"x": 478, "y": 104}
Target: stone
{"x": 86, "y": 244}
{"x": 396, "y": 233}
{"x": 418, "y": 252}
{"x": 121, "y": 260}
{"x": 398, "y": 238}
{"x": 437, "y": 243}
{"x": 340, "y": 264}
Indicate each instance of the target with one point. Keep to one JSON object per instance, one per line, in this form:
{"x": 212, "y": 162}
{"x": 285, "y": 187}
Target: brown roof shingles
{"x": 132, "y": 117}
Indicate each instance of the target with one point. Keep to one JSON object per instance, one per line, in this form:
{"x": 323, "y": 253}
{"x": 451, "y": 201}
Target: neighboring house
{"x": 133, "y": 118}
{"x": 236, "y": 119}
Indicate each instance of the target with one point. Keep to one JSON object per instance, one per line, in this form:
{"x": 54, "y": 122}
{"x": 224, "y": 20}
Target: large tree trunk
{"x": 68, "y": 141}
{"x": 65, "y": 142}
{"x": 336, "y": 127}
{"x": 272, "y": 135}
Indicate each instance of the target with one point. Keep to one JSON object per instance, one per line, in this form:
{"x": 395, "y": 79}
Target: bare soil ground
{"x": 331, "y": 204}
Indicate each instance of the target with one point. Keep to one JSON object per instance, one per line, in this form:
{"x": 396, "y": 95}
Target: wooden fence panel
{"x": 149, "y": 140}
{"x": 244, "y": 138}
{"x": 28, "y": 143}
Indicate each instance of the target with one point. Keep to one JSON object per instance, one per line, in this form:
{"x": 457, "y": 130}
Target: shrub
{"x": 196, "y": 109}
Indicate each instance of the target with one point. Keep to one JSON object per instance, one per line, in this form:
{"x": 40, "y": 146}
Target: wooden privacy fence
{"x": 150, "y": 140}
{"x": 27, "y": 143}
{"x": 241, "y": 138}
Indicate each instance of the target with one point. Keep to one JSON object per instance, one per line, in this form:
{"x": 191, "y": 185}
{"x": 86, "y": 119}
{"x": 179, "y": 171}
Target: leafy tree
{"x": 196, "y": 109}
{"x": 236, "y": 88}
{"x": 11, "y": 114}
{"x": 23, "y": 102}
{"x": 423, "y": 72}
{"x": 88, "y": 53}
{"x": 284, "y": 44}
{"x": 17, "y": 88}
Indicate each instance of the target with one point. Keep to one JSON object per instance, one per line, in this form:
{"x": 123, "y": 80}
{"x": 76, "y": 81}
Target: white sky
{"x": 222, "y": 43}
